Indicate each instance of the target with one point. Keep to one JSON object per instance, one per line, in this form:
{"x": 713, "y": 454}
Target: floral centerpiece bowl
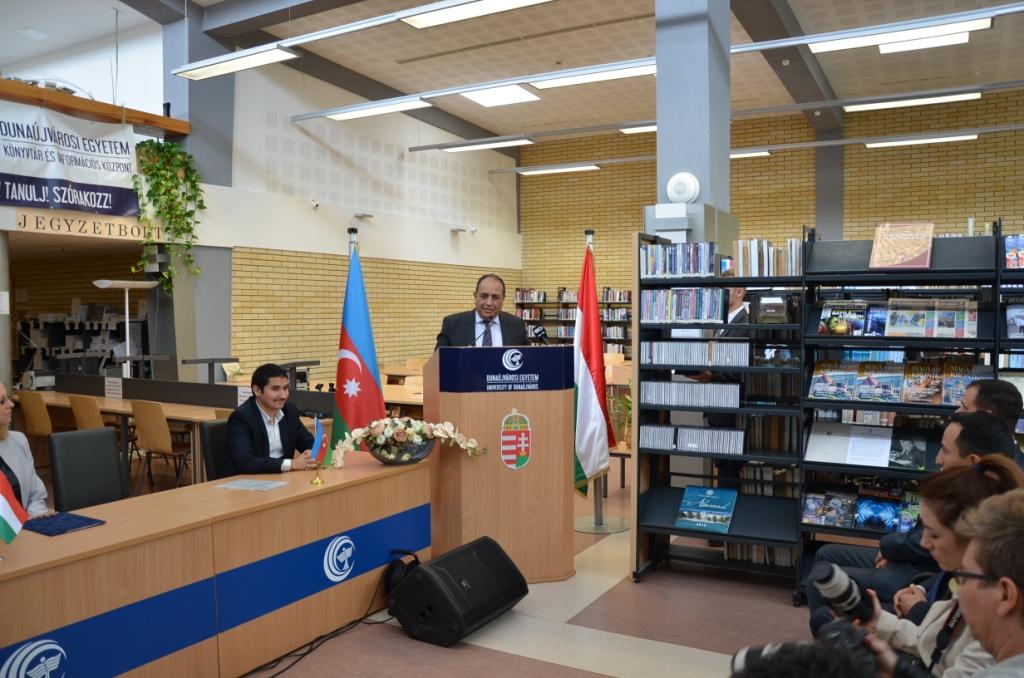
{"x": 401, "y": 440}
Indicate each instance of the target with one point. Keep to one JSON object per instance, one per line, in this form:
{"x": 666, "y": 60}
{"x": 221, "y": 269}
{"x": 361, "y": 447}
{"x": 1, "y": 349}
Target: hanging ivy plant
{"x": 169, "y": 190}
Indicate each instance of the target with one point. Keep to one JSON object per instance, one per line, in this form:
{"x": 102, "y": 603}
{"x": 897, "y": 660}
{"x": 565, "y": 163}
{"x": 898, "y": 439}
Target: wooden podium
{"x": 518, "y": 403}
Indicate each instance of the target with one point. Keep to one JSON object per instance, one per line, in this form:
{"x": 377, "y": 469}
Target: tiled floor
{"x": 683, "y": 622}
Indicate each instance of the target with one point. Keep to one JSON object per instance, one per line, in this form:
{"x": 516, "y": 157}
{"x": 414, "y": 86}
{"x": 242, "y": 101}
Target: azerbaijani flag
{"x": 319, "y": 451}
{"x": 12, "y": 515}
{"x": 593, "y": 428}
{"x": 358, "y": 398}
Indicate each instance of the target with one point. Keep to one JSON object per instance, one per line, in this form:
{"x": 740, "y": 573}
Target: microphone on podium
{"x": 540, "y": 334}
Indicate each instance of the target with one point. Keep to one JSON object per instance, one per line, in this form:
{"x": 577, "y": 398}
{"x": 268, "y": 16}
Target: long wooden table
{"x": 203, "y": 581}
{"x": 192, "y": 415}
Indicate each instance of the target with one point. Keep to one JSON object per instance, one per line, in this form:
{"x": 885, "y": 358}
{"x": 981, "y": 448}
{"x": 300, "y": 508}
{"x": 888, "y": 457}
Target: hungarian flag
{"x": 12, "y": 515}
{"x": 358, "y": 398}
{"x": 593, "y": 428}
{"x": 320, "y": 450}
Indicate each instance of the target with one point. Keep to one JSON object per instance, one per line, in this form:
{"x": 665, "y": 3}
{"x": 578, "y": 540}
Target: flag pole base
{"x": 317, "y": 480}
{"x": 586, "y": 525}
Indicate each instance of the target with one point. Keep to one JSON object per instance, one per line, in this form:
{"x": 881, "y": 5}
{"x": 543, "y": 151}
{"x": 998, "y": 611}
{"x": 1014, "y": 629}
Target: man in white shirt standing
{"x": 265, "y": 434}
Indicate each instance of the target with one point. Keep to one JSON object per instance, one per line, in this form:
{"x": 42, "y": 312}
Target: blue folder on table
{"x": 61, "y": 523}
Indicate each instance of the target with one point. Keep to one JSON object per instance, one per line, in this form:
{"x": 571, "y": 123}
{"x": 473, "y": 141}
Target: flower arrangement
{"x": 401, "y": 440}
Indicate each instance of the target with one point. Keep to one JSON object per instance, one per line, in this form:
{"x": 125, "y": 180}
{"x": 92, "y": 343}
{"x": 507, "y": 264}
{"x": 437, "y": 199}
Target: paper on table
{"x": 243, "y": 394}
{"x": 112, "y": 387}
{"x": 253, "y": 485}
{"x": 869, "y": 446}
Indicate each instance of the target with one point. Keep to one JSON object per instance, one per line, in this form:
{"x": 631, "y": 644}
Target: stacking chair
{"x": 415, "y": 363}
{"x": 86, "y": 468}
{"x": 213, "y": 438}
{"x": 154, "y": 437}
{"x": 38, "y": 425}
{"x": 86, "y": 411}
{"x": 222, "y": 412}
{"x": 414, "y": 383}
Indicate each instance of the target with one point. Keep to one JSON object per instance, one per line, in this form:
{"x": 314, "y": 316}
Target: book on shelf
{"x": 1013, "y": 246}
{"x": 902, "y": 246}
{"x": 832, "y": 442}
{"x": 771, "y": 310}
{"x": 813, "y": 508}
{"x": 706, "y": 509}
{"x": 833, "y": 380}
{"x": 528, "y": 295}
{"x": 838, "y": 509}
{"x": 692, "y": 439}
{"x": 843, "y": 318}
{"x": 910, "y": 318}
{"x": 756, "y": 258}
{"x": 876, "y": 513}
{"x": 677, "y": 260}
{"x": 922, "y": 383}
{"x": 683, "y": 305}
{"x": 689, "y": 394}
{"x": 711, "y": 354}
{"x": 959, "y": 372}
{"x": 909, "y": 451}
{"x": 910, "y": 511}
{"x": 1015, "y": 318}
{"x": 879, "y": 382}
{"x": 875, "y": 320}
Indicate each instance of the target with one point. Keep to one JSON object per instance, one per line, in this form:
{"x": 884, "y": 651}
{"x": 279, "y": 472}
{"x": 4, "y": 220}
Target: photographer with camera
{"x": 943, "y": 644}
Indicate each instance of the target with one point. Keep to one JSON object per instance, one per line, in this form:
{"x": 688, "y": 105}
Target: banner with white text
{"x": 52, "y": 160}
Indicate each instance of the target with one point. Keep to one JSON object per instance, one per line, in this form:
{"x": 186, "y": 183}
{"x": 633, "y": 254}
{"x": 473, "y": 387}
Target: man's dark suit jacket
{"x": 459, "y": 329}
{"x": 249, "y": 446}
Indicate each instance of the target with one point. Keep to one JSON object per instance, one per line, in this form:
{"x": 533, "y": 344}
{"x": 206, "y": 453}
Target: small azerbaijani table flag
{"x": 320, "y": 442}
{"x": 12, "y": 515}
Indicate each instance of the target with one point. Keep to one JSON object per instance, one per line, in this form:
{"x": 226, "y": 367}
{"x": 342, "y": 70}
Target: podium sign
{"x": 517, "y": 368}
{"x": 518, "y": 403}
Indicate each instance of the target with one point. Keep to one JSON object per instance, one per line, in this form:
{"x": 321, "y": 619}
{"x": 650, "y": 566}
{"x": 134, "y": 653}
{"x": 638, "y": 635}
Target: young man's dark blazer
{"x": 459, "y": 329}
{"x": 249, "y": 446}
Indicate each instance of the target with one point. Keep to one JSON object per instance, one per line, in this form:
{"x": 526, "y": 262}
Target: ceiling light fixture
{"x": 749, "y": 154}
{"x": 901, "y": 36}
{"x": 904, "y": 103}
{"x": 236, "y": 61}
{"x": 925, "y": 43}
{"x": 374, "y": 108}
{"x": 640, "y": 129}
{"x": 501, "y": 96}
{"x": 557, "y": 170}
{"x": 923, "y": 140}
{"x": 487, "y": 145}
{"x": 437, "y": 14}
{"x": 595, "y": 76}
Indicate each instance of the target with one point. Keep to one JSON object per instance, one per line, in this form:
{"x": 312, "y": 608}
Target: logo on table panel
{"x": 515, "y": 440}
{"x": 339, "y": 558}
{"x": 38, "y": 659}
{"x": 512, "y": 359}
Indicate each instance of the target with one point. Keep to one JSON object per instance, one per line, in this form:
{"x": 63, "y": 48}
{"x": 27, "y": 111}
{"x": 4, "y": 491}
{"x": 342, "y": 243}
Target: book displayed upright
{"x": 844, "y": 318}
{"x": 902, "y": 246}
{"x": 708, "y": 509}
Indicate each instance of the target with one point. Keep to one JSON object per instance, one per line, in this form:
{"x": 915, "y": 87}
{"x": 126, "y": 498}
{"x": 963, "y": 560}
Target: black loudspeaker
{"x": 442, "y": 601}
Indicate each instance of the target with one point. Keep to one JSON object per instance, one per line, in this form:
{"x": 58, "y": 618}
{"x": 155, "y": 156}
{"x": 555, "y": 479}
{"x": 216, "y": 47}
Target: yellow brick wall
{"x": 773, "y": 197}
{"x": 272, "y": 321}
{"x": 940, "y": 183}
{"x": 51, "y": 283}
{"x": 555, "y": 209}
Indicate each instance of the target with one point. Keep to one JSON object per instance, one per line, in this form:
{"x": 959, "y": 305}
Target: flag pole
{"x": 317, "y": 480}
{"x": 352, "y": 245}
{"x": 598, "y": 525}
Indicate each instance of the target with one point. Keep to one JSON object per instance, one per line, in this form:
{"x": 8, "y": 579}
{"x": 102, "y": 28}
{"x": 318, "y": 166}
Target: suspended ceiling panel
{"x": 553, "y": 36}
{"x": 992, "y": 55}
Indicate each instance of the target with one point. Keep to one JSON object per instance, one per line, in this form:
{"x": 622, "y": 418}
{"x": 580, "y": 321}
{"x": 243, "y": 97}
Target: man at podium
{"x": 486, "y": 325}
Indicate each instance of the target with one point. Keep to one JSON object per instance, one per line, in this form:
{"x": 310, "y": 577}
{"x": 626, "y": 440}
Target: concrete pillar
{"x": 828, "y": 186}
{"x": 692, "y": 51}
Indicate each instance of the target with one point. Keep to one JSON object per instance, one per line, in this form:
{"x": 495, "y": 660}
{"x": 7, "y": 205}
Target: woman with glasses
{"x": 16, "y": 462}
{"x": 942, "y": 644}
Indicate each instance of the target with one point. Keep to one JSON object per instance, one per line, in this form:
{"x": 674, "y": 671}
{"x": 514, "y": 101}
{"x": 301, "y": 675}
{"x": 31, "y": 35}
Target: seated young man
{"x": 900, "y": 558}
{"x": 265, "y": 434}
{"x": 1002, "y": 399}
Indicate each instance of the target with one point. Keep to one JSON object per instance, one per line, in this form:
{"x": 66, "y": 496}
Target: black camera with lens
{"x": 837, "y": 636}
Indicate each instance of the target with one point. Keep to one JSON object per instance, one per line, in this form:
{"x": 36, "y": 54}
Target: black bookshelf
{"x": 558, "y": 304}
{"x": 763, "y": 526}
